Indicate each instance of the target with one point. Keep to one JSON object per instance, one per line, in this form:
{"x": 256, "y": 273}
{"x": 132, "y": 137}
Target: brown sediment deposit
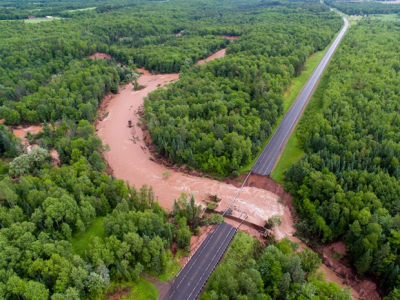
{"x": 335, "y": 270}
{"x": 232, "y": 37}
{"x": 21, "y": 132}
{"x": 55, "y": 157}
{"x": 100, "y": 56}
{"x": 361, "y": 288}
{"x": 130, "y": 159}
{"x": 196, "y": 241}
{"x": 286, "y": 207}
{"x": 219, "y": 54}
{"x": 103, "y": 108}
{"x": 245, "y": 228}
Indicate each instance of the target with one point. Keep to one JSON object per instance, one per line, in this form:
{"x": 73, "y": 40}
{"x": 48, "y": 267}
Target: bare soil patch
{"x": 196, "y": 241}
{"x": 22, "y": 131}
{"x": 99, "y": 55}
{"x": 219, "y": 54}
{"x": 232, "y": 37}
{"x": 332, "y": 258}
{"x": 130, "y": 159}
{"x": 335, "y": 269}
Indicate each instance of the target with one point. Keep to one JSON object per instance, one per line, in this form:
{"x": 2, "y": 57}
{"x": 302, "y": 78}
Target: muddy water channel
{"x": 131, "y": 160}
{"x": 219, "y": 54}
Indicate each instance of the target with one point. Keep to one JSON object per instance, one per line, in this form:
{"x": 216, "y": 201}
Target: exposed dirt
{"x": 103, "y": 108}
{"x": 232, "y": 37}
{"x": 263, "y": 182}
{"x": 163, "y": 287}
{"x": 22, "y": 131}
{"x": 335, "y": 270}
{"x": 56, "y": 159}
{"x": 100, "y": 56}
{"x": 219, "y": 54}
{"x": 196, "y": 241}
{"x": 364, "y": 289}
{"x": 131, "y": 160}
{"x": 249, "y": 230}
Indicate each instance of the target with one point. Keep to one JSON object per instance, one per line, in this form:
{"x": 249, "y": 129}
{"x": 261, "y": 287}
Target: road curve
{"x": 190, "y": 281}
{"x": 271, "y": 153}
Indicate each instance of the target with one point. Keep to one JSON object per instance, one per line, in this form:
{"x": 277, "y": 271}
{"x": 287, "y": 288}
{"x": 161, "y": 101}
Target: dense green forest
{"x": 39, "y": 60}
{"x": 252, "y": 271}
{"x": 42, "y": 207}
{"x": 347, "y": 185}
{"x": 10, "y": 10}
{"x": 38, "y": 67}
{"x": 364, "y": 7}
{"x": 219, "y": 115}
{"x": 45, "y": 76}
{"x": 9, "y": 144}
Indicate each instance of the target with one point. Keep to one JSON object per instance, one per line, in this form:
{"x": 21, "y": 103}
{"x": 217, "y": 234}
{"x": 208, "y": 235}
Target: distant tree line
{"x": 364, "y": 7}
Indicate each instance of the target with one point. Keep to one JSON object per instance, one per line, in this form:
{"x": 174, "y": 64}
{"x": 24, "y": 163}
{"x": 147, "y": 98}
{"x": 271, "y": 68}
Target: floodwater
{"x": 130, "y": 159}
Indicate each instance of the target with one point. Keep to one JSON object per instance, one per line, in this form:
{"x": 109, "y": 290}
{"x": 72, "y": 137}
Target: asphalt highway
{"x": 194, "y": 275}
{"x": 190, "y": 281}
{"x": 271, "y": 153}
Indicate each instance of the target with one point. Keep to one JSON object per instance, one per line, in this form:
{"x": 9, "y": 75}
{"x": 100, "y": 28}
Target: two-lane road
{"x": 190, "y": 281}
{"x": 188, "y": 284}
{"x": 271, "y": 153}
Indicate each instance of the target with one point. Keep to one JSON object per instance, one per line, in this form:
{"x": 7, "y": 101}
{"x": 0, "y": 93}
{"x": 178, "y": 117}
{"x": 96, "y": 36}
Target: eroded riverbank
{"x": 130, "y": 159}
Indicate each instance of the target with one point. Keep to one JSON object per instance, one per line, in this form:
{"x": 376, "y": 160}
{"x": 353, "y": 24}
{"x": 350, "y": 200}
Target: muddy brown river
{"x": 130, "y": 160}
